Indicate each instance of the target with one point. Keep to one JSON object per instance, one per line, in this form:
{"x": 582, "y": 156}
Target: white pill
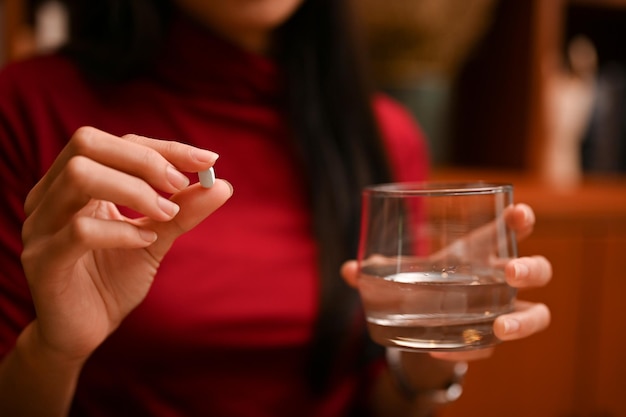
{"x": 207, "y": 177}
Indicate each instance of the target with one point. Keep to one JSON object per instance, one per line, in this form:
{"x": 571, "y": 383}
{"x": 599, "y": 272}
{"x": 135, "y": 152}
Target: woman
{"x": 131, "y": 300}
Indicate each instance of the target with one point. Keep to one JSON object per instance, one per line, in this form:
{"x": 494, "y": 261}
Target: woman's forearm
{"x": 35, "y": 382}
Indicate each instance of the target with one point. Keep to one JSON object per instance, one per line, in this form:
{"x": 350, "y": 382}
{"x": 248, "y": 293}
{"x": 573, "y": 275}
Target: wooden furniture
{"x": 15, "y": 36}
{"x": 576, "y": 367}
{"x": 500, "y": 119}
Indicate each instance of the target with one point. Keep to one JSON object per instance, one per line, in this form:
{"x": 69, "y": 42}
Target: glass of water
{"x": 431, "y": 263}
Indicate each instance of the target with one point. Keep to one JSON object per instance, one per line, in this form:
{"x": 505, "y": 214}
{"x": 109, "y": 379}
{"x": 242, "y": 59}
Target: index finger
{"x": 156, "y": 161}
{"x": 521, "y": 218}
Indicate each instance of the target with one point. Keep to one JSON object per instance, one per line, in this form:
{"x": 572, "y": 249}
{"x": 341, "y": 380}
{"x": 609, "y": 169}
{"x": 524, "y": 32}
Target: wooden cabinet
{"x": 576, "y": 367}
{"x": 501, "y": 116}
{"x": 15, "y": 38}
{"x": 28, "y": 27}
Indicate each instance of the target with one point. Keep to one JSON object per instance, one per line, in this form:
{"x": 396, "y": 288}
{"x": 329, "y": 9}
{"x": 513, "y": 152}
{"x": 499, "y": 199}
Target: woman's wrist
{"x": 35, "y": 380}
{"x": 33, "y": 352}
{"x": 448, "y": 387}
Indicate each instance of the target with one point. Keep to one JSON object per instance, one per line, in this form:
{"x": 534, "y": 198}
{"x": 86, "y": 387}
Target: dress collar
{"x": 196, "y": 60}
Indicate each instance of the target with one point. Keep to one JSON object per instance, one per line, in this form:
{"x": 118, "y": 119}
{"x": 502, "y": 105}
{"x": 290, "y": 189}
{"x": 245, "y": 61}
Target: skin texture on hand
{"x": 87, "y": 265}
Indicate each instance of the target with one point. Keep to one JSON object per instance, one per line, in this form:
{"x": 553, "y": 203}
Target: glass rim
{"x": 437, "y": 188}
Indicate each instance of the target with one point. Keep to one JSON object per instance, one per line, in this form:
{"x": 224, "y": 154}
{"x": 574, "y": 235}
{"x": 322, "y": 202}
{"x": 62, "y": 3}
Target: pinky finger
{"x": 92, "y": 233}
{"x": 528, "y": 319}
{"x": 86, "y": 233}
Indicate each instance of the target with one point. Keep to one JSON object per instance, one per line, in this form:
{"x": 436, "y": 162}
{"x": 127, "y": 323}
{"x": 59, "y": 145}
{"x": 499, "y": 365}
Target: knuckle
{"x": 132, "y": 137}
{"x": 30, "y": 202}
{"x": 27, "y": 228}
{"x": 181, "y": 150}
{"x": 150, "y": 157}
{"x": 33, "y": 258}
{"x": 176, "y": 147}
{"x": 27, "y": 256}
{"x": 80, "y": 229}
{"x": 76, "y": 170}
{"x": 137, "y": 139}
{"x": 83, "y": 138}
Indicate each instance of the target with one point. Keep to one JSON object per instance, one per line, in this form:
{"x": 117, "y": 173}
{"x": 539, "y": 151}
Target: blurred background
{"x": 531, "y": 92}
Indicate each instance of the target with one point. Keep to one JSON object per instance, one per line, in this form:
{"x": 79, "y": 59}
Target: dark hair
{"x": 116, "y": 39}
{"x": 329, "y": 105}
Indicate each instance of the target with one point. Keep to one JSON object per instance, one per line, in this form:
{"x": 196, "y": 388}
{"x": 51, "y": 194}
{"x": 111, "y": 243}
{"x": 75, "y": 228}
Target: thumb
{"x": 196, "y": 204}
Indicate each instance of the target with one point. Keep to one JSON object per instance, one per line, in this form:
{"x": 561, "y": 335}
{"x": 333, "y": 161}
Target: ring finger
{"x": 529, "y": 318}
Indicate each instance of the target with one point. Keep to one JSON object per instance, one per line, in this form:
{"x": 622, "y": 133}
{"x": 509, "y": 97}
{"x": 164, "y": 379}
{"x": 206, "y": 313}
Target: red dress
{"x": 225, "y": 329}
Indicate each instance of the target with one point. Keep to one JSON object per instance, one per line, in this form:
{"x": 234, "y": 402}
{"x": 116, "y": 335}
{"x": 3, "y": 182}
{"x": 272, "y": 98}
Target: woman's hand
{"x": 88, "y": 265}
{"x": 524, "y": 272}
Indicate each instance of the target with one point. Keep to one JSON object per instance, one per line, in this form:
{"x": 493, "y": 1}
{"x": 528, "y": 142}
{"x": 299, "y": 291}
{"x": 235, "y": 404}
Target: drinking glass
{"x": 431, "y": 263}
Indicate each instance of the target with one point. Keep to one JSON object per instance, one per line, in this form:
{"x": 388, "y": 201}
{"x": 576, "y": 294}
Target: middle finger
{"x": 528, "y": 271}
{"x": 146, "y": 158}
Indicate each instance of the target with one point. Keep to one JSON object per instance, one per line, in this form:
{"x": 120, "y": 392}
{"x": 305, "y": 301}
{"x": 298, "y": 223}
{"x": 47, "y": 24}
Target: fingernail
{"x": 168, "y": 207}
{"x": 147, "y": 235}
{"x": 204, "y": 156}
{"x": 232, "y": 190}
{"x": 521, "y": 270}
{"x": 511, "y": 326}
{"x": 529, "y": 217}
{"x": 176, "y": 178}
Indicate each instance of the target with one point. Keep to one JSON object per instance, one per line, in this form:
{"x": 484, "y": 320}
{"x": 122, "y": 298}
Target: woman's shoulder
{"x": 394, "y": 118}
{"x": 403, "y": 138}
